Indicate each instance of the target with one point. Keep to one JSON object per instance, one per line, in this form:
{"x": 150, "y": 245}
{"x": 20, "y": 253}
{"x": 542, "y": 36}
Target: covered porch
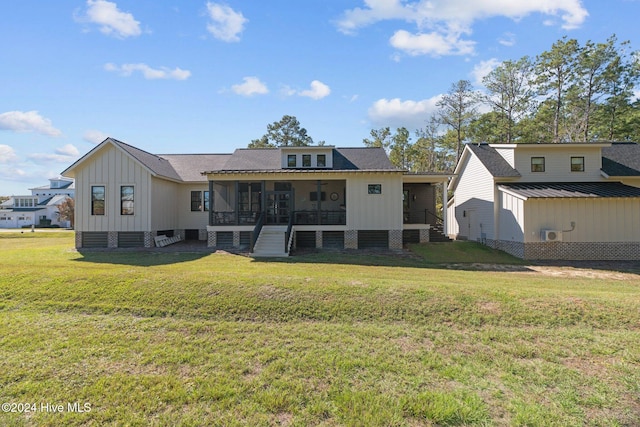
{"x": 300, "y": 202}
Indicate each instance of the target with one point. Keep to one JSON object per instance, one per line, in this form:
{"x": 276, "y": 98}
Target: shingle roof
{"x": 621, "y": 159}
{"x": 493, "y": 161}
{"x": 156, "y": 164}
{"x": 572, "y": 190}
{"x": 269, "y": 159}
{"x": 190, "y": 166}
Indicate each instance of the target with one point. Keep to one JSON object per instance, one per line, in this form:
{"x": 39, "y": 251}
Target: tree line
{"x": 570, "y": 93}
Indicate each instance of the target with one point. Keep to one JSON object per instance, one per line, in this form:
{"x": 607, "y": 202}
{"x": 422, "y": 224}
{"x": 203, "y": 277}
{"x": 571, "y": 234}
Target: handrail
{"x": 421, "y": 217}
{"x": 256, "y": 231}
{"x": 289, "y": 235}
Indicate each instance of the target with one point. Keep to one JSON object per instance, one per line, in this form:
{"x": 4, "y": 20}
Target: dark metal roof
{"x": 493, "y": 161}
{"x": 36, "y": 209}
{"x": 621, "y": 159}
{"x": 572, "y": 190}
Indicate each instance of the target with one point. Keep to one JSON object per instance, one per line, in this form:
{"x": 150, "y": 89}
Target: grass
{"x": 325, "y": 339}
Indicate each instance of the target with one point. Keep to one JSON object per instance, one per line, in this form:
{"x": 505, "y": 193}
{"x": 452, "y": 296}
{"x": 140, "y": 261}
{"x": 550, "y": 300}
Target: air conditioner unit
{"x": 551, "y": 235}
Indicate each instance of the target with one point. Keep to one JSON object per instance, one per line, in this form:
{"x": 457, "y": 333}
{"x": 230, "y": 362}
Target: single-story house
{"x": 576, "y": 201}
{"x": 267, "y": 200}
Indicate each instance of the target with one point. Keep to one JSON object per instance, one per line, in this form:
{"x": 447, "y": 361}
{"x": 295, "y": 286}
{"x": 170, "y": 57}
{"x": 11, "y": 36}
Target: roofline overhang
{"x": 550, "y": 144}
{"x": 301, "y": 172}
{"x": 512, "y": 193}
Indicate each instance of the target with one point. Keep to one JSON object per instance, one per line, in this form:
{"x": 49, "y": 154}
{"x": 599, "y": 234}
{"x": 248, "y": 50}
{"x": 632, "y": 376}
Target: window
{"x": 291, "y": 160}
{"x": 537, "y": 164}
{"x": 322, "y": 160}
{"x": 577, "y": 164}
{"x": 97, "y": 199}
{"x": 196, "y": 201}
{"x": 126, "y": 200}
{"x": 306, "y": 160}
{"x": 206, "y": 201}
{"x": 375, "y": 189}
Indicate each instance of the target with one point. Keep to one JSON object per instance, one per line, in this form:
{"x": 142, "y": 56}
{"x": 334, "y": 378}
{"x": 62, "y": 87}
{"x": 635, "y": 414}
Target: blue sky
{"x": 203, "y": 76}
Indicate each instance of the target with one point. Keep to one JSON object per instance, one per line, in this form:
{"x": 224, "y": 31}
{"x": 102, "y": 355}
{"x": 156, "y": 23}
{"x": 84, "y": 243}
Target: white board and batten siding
{"x": 186, "y": 218}
{"x": 166, "y": 204}
{"x": 473, "y": 206}
{"x": 112, "y": 168}
{"x": 374, "y": 211}
{"x": 511, "y": 218}
{"x": 596, "y": 220}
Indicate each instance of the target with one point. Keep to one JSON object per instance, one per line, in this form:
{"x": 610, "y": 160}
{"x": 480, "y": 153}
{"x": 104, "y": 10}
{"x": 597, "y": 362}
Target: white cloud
{"x": 397, "y": 113}
{"x": 148, "y": 72}
{"x": 64, "y": 154}
{"x": 483, "y": 68}
{"x": 226, "y": 24}
{"x": 434, "y": 44}
{"x": 111, "y": 20}
{"x": 251, "y": 86}
{"x": 318, "y": 90}
{"x": 508, "y": 39}
{"x": 440, "y": 23}
{"x": 27, "y": 121}
{"x": 7, "y": 154}
{"x": 94, "y": 136}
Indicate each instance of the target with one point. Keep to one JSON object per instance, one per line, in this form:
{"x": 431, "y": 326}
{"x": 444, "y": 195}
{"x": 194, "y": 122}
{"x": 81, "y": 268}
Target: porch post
{"x": 237, "y": 203}
{"x": 319, "y": 208}
{"x": 444, "y": 208}
{"x": 211, "y": 206}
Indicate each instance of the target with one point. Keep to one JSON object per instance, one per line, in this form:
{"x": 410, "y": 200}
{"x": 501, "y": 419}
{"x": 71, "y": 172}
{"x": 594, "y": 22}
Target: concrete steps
{"x": 270, "y": 243}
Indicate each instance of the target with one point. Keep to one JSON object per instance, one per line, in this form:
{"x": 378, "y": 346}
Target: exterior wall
{"x": 602, "y": 251}
{"x": 473, "y": 204}
{"x": 197, "y": 220}
{"x": 558, "y": 163}
{"x": 112, "y": 168}
{"x": 165, "y": 202}
{"x": 596, "y": 220}
{"x": 507, "y": 152}
{"x": 510, "y": 218}
{"x": 374, "y": 211}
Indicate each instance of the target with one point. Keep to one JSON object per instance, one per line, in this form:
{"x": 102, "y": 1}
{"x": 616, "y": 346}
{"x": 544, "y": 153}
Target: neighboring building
{"x": 549, "y": 201}
{"x": 264, "y": 199}
{"x": 38, "y": 209}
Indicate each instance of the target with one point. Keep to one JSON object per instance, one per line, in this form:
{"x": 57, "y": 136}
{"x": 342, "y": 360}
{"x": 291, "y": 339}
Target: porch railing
{"x": 310, "y": 217}
{"x": 256, "y": 231}
{"x": 320, "y": 218}
{"x": 424, "y": 216}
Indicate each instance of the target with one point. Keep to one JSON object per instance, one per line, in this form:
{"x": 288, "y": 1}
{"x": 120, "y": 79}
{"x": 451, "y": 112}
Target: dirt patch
{"x": 613, "y": 271}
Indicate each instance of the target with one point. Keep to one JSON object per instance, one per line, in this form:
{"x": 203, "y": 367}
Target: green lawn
{"x": 330, "y": 339}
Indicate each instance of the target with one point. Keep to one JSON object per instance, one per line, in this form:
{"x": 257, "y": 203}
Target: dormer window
{"x": 322, "y": 160}
{"x": 537, "y": 164}
{"x": 291, "y": 161}
{"x": 577, "y": 164}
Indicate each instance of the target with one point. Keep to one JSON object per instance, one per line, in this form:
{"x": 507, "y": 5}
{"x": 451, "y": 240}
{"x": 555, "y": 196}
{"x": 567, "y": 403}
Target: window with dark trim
{"x": 306, "y": 160}
{"x": 126, "y": 200}
{"x": 537, "y": 164}
{"x": 206, "y": 201}
{"x": 374, "y": 188}
{"x": 577, "y": 164}
{"x": 321, "y": 161}
{"x": 291, "y": 161}
{"x": 196, "y": 201}
{"x": 97, "y": 199}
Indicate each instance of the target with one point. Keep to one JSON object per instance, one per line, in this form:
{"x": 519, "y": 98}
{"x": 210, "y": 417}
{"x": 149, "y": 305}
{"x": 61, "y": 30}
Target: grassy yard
{"x": 331, "y": 339}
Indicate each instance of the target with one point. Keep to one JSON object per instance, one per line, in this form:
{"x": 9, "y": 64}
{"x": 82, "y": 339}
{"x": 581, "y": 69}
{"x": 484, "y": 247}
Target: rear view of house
{"x": 267, "y": 200}
{"x": 549, "y": 201}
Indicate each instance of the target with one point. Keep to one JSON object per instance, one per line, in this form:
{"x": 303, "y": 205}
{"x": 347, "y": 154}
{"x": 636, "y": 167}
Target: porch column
{"x": 211, "y": 200}
{"x": 444, "y": 208}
